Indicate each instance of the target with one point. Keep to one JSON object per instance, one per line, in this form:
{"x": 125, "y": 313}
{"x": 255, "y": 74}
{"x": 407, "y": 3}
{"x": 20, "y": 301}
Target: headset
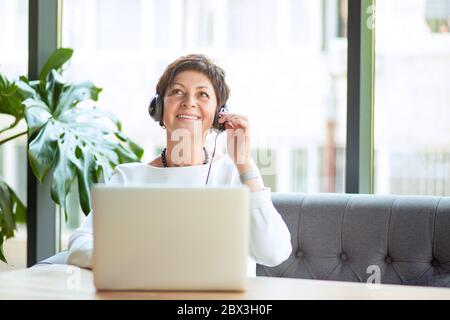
{"x": 156, "y": 111}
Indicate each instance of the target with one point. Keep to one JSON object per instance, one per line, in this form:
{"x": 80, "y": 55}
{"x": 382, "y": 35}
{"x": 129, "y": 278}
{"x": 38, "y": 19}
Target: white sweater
{"x": 269, "y": 237}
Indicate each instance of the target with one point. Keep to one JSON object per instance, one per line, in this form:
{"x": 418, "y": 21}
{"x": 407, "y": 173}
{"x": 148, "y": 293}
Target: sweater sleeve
{"x": 81, "y": 242}
{"x": 270, "y": 239}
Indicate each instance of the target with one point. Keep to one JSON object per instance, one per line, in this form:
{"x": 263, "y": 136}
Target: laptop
{"x": 162, "y": 237}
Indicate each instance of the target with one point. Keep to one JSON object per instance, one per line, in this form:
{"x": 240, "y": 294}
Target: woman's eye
{"x": 204, "y": 94}
{"x": 177, "y": 91}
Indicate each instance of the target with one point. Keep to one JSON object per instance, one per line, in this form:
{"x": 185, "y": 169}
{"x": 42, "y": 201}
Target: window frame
{"x": 359, "y": 165}
{"x": 44, "y": 36}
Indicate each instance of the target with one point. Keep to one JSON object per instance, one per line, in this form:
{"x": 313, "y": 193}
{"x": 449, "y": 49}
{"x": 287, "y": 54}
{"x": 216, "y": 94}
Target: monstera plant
{"x": 70, "y": 144}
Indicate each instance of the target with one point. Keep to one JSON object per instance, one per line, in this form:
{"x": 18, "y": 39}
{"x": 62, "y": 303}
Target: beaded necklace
{"x": 164, "y": 161}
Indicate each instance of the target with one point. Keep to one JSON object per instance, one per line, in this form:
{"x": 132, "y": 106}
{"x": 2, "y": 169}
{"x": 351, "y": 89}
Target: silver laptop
{"x": 161, "y": 237}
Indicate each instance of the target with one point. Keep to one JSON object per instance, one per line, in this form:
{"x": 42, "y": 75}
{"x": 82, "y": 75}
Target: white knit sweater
{"x": 269, "y": 237}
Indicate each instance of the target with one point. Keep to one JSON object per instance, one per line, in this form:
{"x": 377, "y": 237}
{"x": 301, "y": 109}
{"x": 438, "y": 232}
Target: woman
{"x": 190, "y": 94}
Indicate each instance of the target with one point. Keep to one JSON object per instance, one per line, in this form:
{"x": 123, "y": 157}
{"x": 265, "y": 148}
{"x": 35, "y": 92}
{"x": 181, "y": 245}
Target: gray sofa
{"x": 352, "y": 237}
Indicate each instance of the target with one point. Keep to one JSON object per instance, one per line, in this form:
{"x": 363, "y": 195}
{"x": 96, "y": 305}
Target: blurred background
{"x": 286, "y": 64}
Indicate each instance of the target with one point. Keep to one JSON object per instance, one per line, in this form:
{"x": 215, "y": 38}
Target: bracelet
{"x": 249, "y": 175}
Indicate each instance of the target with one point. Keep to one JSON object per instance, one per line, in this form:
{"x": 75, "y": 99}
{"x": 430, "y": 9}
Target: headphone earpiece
{"x": 156, "y": 109}
{"x": 216, "y": 125}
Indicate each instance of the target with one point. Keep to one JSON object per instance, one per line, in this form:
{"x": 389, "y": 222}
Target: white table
{"x": 69, "y": 282}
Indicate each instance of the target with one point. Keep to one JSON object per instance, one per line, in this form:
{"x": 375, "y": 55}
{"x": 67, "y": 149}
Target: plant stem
{"x": 13, "y": 137}
{"x": 10, "y": 127}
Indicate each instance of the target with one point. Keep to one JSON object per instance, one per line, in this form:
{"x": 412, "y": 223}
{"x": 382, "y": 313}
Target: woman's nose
{"x": 189, "y": 100}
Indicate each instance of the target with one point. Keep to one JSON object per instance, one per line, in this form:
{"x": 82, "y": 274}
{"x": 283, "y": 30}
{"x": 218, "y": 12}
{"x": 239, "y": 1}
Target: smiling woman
{"x": 192, "y": 89}
{"x": 189, "y": 96}
{"x": 285, "y": 62}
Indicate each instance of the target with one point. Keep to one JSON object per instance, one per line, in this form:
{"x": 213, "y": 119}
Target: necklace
{"x": 164, "y": 161}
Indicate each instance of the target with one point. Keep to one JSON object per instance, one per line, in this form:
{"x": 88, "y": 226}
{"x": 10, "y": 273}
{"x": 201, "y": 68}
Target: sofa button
{"x": 435, "y": 263}
{"x": 299, "y": 254}
{"x": 388, "y": 260}
{"x": 343, "y": 257}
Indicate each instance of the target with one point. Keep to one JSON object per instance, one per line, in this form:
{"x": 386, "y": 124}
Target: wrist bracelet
{"x": 249, "y": 175}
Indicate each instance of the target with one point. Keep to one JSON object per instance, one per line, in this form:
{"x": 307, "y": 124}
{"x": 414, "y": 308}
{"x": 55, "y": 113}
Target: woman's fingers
{"x": 240, "y": 123}
{"x": 234, "y": 121}
{"x": 238, "y": 143}
{"x": 227, "y": 116}
{"x": 229, "y": 125}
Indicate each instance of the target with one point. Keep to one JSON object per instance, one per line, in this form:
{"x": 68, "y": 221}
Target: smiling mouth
{"x": 187, "y": 117}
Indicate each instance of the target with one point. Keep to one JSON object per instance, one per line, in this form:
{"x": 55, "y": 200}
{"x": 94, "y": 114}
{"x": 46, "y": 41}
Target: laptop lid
{"x": 160, "y": 237}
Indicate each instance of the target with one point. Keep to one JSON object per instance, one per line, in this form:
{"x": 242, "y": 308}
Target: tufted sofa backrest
{"x": 351, "y": 237}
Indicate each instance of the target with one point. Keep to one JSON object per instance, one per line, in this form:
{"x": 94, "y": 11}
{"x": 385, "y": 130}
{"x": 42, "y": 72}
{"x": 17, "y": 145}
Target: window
{"x": 199, "y": 29}
{"x": 412, "y": 131}
{"x": 438, "y": 15}
{"x": 252, "y": 25}
{"x": 161, "y": 23}
{"x": 13, "y": 157}
{"x": 342, "y": 17}
{"x": 14, "y": 37}
{"x": 117, "y": 30}
{"x": 292, "y": 89}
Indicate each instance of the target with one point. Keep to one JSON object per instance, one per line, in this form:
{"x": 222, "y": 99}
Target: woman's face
{"x": 190, "y": 102}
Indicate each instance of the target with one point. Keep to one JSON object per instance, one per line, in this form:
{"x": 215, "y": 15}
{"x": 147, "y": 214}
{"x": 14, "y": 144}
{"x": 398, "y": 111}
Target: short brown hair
{"x": 202, "y": 64}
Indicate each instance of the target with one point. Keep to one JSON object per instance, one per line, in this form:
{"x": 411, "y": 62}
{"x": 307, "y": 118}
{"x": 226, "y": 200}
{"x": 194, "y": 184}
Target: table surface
{"x": 69, "y": 282}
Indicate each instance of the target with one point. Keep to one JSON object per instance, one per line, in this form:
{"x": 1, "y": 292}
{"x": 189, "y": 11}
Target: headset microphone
{"x": 220, "y": 127}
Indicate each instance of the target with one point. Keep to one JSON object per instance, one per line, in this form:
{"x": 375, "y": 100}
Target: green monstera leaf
{"x": 12, "y": 95}
{"x": 12, "y": 210}
{"x": 73, "y": 146}
{"x": 81, "y": 145}
{"x": 55, "y": 63}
